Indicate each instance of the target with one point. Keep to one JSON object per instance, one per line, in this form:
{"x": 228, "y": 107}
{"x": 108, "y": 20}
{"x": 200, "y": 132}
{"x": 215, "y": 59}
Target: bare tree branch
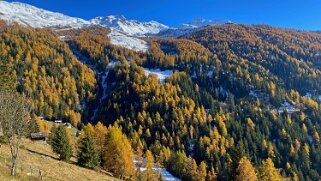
{"x": 14, "y": 118}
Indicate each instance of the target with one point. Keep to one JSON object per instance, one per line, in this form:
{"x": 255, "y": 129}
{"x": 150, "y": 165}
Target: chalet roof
{"x": 39, "y": 135}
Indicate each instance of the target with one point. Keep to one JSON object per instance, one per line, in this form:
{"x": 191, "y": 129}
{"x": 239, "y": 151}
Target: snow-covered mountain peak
{"x": 28, "y": 15}
{"x": 130, "y": 27}
{"x": 109, "y": 19}
{"x": 36, "y": 17}
{"x": 188, "y": 28}
{"x": 124, "y": 32}
{"x": 200, "y": 22}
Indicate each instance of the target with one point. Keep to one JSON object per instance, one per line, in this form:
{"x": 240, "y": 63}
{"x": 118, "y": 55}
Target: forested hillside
{"x": 242, "y": 102}
{"x": 293, "y": 56}
{"x": 58, "y": 84}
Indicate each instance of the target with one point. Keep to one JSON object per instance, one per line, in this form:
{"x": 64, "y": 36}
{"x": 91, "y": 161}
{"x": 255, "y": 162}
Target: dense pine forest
{"x": 243, "y": 102}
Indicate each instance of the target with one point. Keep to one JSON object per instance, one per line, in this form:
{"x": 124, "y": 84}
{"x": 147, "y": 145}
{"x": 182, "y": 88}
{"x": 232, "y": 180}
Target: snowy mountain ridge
{"x": 200, "y": 22}
{"x": 32, "y": 16}
{"x": 152, "y": 28}
{"x": 124, "y": 32}
{"x": 130, "y": 27}
{"x": 188, "y": 28}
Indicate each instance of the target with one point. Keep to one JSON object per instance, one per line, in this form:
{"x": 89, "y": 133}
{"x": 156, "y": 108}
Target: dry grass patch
{"x": 40, "y": 156}
{"x": 5, "y": 175}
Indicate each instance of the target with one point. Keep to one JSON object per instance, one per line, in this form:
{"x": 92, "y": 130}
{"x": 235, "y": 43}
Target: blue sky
{"x": 298, "y": 14}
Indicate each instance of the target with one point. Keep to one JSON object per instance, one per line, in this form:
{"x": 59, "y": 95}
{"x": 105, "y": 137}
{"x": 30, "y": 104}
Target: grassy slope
{"x": 5, "y": 175}
{"x": 41, "y": 157}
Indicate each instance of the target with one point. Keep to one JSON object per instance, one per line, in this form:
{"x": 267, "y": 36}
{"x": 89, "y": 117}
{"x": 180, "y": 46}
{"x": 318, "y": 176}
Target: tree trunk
{"x": 13, "y": 166}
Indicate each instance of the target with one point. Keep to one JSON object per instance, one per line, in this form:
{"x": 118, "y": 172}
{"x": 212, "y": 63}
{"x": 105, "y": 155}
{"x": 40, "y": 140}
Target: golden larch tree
{"x": 245, "y": 171}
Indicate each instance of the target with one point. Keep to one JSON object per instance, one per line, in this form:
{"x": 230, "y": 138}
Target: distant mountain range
{"x": 34, "y": 17}
{"x": 28, "y": 15}
{"x": 130, "y": 27}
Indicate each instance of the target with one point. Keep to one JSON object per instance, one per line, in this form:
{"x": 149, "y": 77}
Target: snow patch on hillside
{"x": 123, "y": 40}
{"x": 28, "y": 15}
{"x": 165, "y": 174}
{"x": 161, "y": 75}
{"x": 104, "y": 86}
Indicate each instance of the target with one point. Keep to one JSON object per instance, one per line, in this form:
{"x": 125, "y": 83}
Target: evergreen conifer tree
{"x": 88, "y": 156}
{"x": 33, "y": 127}
{"x": 7, "y": 79}
{"x": 60, "y": 143}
